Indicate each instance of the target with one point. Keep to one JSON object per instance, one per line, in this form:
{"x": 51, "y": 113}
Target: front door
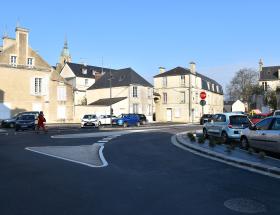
{"x": 168, "y": 114}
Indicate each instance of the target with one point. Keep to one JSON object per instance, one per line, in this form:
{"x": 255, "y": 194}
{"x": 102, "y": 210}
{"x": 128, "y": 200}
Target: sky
{"x": 221, "y": 37}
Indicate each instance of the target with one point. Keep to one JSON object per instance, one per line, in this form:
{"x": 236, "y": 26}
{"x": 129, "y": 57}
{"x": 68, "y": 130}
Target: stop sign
{"x": 203, "y": 95}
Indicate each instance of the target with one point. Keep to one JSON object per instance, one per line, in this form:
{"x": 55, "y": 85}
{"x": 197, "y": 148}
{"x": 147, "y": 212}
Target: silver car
{"x": 264, "y": 135}
{"x": 228, "y": 126}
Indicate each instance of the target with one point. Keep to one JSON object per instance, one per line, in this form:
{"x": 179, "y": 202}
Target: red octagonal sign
{"x": 203, "y": 95}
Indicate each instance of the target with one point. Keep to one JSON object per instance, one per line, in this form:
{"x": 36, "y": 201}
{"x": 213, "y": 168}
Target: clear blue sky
{"x": 220, "y": 36}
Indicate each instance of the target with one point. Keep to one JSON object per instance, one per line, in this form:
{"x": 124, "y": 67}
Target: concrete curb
{"x": 254, "y": 165}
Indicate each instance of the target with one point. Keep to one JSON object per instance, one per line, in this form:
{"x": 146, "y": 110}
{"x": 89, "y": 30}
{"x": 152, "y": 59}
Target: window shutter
{"x": 44, "y": 86}
{"x": 32, "y": 86}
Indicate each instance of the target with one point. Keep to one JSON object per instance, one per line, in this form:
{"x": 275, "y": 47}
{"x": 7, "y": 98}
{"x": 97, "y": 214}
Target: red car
{"x": 258, "y": 117}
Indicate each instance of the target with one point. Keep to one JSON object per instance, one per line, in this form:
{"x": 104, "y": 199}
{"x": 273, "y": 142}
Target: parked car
{"x": 89, "y": 120}
{"x": 276, "y": 113}
{"x": 10, "y": 123}
{"x": 127, "y": 120}
{"x": 25, "y": 121}
{"x": 143, "y": 119}
{"x": 257, "y": 117}
{"x": 228, "y": 126}
{"x": 205, "y": 118}
{"x": 105, "y": 119}
{"x": 264, "y": 135}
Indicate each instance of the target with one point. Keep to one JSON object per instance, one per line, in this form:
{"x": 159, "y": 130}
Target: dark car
{"x": 127, "y": 120}
{"x": 25, "y": 121}
{"x": 143, "y": 119}
{"x": 205, "y": 118}
{"x": 10, "y": 123}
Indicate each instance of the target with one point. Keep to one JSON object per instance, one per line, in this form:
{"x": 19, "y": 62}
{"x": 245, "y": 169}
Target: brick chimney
{"x": 161, "y": 70}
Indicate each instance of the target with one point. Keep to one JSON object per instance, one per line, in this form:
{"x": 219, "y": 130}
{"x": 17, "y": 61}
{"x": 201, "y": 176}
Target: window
{"x": 164, "y": 98}
{"x": 134, "y": 92}
{"x": 264, "y": 124}
{"x": 182, "y": 98}
{"x": 276, "y": 124}
{"x": 38, "y": 86}
{"x": 135, "y": 108}
{"x": 177, "y": 113}
{"x": 149, "y": 109}
{"x": 150, "y": 93}
{"x": 30, "y": 62}
{"x": 61, "y": 93}
{"x": 13, "y": 60}
{"x": 183, "y": 81}
{"x": 164, "y": 82}
{"x": 84, "y": 71}
{"x": 219, "y": 118}
{"x": 86, "y": 82}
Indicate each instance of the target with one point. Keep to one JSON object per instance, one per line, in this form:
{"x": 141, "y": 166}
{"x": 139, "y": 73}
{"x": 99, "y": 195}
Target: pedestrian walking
{"x": 41, "y": 122}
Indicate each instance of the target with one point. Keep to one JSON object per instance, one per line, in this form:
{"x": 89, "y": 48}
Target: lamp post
{"x": 110, "y": 83}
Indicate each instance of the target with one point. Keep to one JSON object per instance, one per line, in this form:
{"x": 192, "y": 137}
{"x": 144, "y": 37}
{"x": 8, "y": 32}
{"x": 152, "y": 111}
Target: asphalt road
{"x": 146, "y": 175}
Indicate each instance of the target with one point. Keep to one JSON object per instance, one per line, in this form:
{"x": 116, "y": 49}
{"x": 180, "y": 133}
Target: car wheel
{"x": 12, "y": 125}
{"x": 125, "y": 124}
{"x": 244, "y": 143}
{"x": 205, "y": 135}
{"x": 224, "y": 137}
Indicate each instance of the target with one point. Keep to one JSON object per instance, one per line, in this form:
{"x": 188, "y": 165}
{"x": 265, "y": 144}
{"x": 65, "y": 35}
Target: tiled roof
{"x": 269, "y": 73}
{"x": 107, "y": 101}
{"x": 121, "y": 77}
{"x": 184, "y": 71}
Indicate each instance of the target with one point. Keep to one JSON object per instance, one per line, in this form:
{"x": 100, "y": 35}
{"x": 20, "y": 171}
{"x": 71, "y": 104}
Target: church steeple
{"x": 65, "y": 54}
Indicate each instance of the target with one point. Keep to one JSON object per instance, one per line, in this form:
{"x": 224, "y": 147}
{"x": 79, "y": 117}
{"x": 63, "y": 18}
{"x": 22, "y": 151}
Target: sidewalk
{"x": 239, "y": 157}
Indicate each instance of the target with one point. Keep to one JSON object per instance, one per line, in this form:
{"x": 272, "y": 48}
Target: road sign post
{"x": 202, "y": 101}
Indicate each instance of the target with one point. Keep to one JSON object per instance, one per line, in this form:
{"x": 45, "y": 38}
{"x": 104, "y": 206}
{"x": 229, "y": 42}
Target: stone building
{"x": 178, "y": 91}
{"x": 29, "y": 83}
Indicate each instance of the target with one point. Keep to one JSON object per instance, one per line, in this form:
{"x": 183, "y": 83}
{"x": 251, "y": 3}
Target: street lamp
{"x": 110, "y": 84}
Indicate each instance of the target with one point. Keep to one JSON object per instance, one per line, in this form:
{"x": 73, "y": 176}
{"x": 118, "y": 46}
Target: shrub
{"x": 201, "y": 140}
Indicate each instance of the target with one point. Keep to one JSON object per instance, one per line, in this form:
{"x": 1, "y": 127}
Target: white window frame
{"x": 164, "y": 98}
{"x": 86, "y": 82}
{"x": 135, "y": 108}
{"x": 32, "y": 62}
{"x": 164, "y": 81}
{"x": 182, "y": 97}
{"x": 38, "y": 88}
{"x": 183, "y": 80}
{"x": 13, "y": 60}
{"x": 61, "y": 93}
{"x": 134, "y": 91}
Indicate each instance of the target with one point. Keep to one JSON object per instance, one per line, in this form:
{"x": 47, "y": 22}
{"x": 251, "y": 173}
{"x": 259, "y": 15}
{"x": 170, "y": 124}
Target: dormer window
{"x": 30, "y": 62}
{"x": 13, "y": 60}
{"x": 84, "y": 71}
{"x": 93, "y": 72}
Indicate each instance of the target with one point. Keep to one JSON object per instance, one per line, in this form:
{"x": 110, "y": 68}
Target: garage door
{"x": 5, "y": 110}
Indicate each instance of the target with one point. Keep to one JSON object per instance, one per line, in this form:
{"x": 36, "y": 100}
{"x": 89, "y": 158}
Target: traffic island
{"x": 211, "y": 148}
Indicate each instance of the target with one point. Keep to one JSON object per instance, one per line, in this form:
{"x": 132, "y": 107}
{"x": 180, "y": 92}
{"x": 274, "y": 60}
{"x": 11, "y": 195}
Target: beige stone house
{"x": 81, "y": 77}
{"x": 269, "y": 76}
{"x": 130, "y": 93}
{"x": 29, "y": 83}
{"x": 178, "y": 91}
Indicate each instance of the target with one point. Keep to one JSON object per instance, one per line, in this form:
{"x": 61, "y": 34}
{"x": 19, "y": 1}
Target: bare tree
{"x": 241, "y": 84}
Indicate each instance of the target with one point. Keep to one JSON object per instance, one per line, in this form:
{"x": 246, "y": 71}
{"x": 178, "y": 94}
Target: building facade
{"x": 29, "y": 83}
{"x": 269, "y": 76}
{"x": 177, "y": 95}
{"x": 124, "y": 91}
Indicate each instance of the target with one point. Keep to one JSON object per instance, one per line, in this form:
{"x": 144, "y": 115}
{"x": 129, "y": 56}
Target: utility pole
{"x": 110, "y": 82}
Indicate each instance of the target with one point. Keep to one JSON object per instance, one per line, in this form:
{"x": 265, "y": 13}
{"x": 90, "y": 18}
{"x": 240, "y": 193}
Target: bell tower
{"x": 64, "y": 56}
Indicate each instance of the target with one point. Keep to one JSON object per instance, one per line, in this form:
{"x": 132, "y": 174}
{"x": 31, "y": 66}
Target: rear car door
{"x": 210, "y": 125}
{"x": 258, "y": 138}
{"x": 273, "y": 136}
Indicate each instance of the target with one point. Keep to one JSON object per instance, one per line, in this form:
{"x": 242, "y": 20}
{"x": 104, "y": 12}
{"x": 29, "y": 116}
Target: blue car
{"x": 127, "y": 120}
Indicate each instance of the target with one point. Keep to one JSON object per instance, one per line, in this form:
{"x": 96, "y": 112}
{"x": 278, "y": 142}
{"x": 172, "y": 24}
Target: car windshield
{"x": 89, "y": 116}
{"x": 27, "y": 117}
{"x": 122, "y": 115}
{"x": 277, "y": 113}
{"x": 239, "y": 120}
